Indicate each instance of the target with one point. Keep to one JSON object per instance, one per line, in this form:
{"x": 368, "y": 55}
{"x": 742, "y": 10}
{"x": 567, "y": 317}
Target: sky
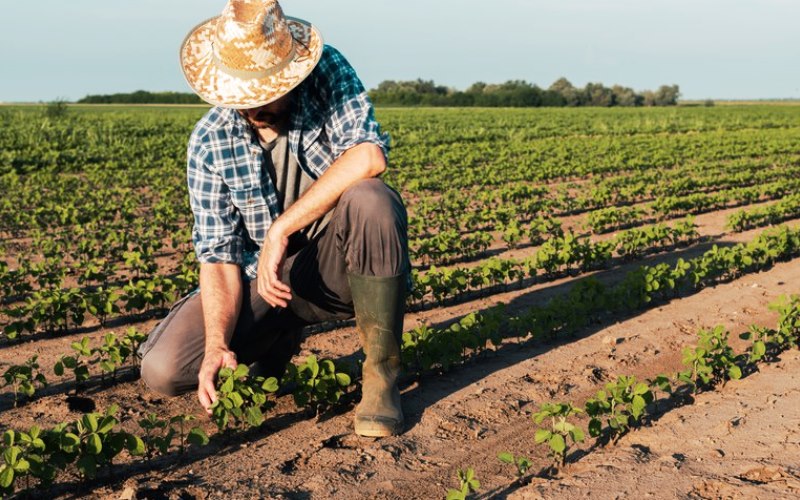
{"x": 720, "y": 49}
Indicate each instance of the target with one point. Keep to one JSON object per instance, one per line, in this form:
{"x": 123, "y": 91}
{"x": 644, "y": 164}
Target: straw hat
{"x": 249, "y": 56}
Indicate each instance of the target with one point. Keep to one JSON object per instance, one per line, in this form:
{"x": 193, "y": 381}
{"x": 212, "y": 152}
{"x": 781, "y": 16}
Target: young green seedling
{"x": 241, "y": 398}
{"x": 24, "y": 379}
{"x": 560, "y": 431}
{"x": 76, "y": 363}
{"x": 522, "y": 464}
{"x": 468, "y": 483}
{"x": 195, "y": 435}
{"x": 621, "y": 403}
{"x": 318, "y": 384}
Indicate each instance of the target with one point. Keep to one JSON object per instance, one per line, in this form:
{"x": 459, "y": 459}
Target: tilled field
{"x": 737, "y": 439}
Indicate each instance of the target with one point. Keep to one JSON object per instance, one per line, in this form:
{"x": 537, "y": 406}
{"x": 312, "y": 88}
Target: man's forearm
{"x": 221, "y": 296}
{"x": 362, "y": 161}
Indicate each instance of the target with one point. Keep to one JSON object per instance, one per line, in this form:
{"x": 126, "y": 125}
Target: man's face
{"x": 270, "y": 115}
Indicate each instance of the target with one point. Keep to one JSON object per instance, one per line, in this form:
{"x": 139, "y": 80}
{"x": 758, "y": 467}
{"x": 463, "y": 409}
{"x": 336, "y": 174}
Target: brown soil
{"x": 741, "y": 440}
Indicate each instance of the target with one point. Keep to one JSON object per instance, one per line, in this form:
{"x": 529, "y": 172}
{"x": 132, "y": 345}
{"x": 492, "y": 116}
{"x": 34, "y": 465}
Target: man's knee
{"x": 161, "y": 376}
{"x": 373, "y": 200}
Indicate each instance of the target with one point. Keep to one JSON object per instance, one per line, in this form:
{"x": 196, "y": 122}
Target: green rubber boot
{"x": 379, "y": 304}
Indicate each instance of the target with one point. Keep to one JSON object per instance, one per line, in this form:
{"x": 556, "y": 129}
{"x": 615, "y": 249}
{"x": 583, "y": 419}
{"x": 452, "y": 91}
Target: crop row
{"x": 426, "y": 348}
{"x": 560, "y": 254}
{"x": 488, "y": 207}
{"x": 625, "y": 403}
{"x": 785, "y": 209}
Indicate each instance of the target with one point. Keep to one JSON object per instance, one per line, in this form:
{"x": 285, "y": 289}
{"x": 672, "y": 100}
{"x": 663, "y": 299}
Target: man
{"x": 291, "y": 225}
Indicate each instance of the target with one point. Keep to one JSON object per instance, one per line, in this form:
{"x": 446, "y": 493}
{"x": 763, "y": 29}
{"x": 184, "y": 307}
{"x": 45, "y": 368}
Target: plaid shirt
{"x": 233, "y": 198}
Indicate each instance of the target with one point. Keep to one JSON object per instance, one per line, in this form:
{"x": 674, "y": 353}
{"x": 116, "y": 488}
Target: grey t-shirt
{"x": 290, "y": 181}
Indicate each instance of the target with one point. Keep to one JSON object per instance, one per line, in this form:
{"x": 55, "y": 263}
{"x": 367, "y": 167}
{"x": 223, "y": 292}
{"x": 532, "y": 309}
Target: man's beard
{"x": 266, "y": 120}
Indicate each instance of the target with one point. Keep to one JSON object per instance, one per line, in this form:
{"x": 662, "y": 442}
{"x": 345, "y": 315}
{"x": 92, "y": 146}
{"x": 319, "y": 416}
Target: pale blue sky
{"x": 711, "y": 48}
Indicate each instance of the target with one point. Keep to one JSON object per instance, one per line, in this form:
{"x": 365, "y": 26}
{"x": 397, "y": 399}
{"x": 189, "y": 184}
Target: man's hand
{"x": 215, "y": 358}
{"x": 270, "y": 263}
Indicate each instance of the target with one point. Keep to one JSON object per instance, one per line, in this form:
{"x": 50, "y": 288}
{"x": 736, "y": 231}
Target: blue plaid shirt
{"x": 233, "y": 198}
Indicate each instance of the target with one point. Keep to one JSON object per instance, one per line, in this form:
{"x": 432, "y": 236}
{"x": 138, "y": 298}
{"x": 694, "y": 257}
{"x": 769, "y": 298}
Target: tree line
{"x": 519, "y": 93}
{"x": 513, "y": 93}
{"x": 143, "y": 97}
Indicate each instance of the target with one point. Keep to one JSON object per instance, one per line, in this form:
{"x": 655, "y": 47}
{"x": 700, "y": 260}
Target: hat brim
{"x": 217, "y": 87}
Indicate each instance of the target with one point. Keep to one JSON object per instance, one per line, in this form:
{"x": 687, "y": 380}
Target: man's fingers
{"x": 206, "y": 398}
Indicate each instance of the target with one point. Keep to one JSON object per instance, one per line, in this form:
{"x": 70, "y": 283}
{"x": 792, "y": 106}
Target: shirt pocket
{"x": 254, "y": 210}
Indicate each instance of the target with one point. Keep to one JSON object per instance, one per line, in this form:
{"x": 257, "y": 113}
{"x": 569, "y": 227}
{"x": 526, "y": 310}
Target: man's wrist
{"x": 216, "y": 346}
{"x": 277, "y": 231}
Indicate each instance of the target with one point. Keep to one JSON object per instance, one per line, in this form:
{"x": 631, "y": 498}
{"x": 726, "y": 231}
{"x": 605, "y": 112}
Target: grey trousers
{"x": 367, "y": 235}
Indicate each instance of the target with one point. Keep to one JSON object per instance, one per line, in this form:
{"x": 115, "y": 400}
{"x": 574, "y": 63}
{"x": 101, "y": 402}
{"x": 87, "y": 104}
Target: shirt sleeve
{"x": 350, "y": 116}
{"x": 216, "y": 235}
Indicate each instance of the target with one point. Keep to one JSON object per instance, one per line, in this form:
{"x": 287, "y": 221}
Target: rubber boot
{"x": 379, "y": 304}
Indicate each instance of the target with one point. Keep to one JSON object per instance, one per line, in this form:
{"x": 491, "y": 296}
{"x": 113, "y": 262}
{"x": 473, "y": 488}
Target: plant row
{"x": 426, "y": 348}
{"x": 561, "y": 253}
{"x": 626, "y": 403}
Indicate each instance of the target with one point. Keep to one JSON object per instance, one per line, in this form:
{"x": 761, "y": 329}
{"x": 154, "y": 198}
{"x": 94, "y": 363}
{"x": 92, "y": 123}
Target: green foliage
{"x": 621, "y": 404}
{"x": 318, "y": 384}
{"x": 711, "y": 362}
{"x": 24, "y": 379}
{"x": 77, "y": 362}
{"x": 559, "y": 433}
{"x": 468, "y": 483}
{"x": 766, "y": 342}
{"x": 521, "y": 464}
{"x": 241, "y": 399}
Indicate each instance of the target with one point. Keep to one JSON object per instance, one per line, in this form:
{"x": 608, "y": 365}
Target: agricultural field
{"x": 606, "y": 303}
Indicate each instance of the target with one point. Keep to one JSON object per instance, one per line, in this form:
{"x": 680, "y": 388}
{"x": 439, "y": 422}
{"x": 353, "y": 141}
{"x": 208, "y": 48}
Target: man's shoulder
{"x": 332, "y": 63}
{"x": 215, "y": 123}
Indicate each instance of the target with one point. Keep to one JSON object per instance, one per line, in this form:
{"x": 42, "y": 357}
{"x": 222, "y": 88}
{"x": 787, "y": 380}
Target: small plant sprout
{"x": 76, "y": 363}
{"x": 241, "y": 398}
{"x": 621, "y": 403}
{"x": 318, "y": 383}
{"x": 468, "y": 483}
{"x": 560, "y": 431}
{"x": 24, "y": 378}
{"x": 522, "y": 464}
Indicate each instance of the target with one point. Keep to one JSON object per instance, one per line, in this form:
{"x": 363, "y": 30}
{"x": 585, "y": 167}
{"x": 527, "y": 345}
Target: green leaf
{"x": 10, "y": 455}
{"x": 734, "y": 372}
{"x": 577, "y": 434}
{"x": 8, "y": 438}
{"x": 595, "y": 427}
{"x": 135, "y": 445}
{"x": 106, "y": 424}
{"x": 759, "y": 350}
{"x": 454, "y": 495}
{"x": 227, "y": 386}
{"x": 69, "y": 440}
{"x": 197, "y": 437}
{"x": 542, "y": 435}
{"x": 6, "y": 476}
{"x": 22, "y": 465}
{"x": 270, "y": 385}
{"x": 241, "y": 371}
{"x": 557, "y": 443}
{"x": 254, "y": 416}
{"x": 506, "y": 457}
{"x": 343, "y": 379}
{"x": 94, "y": 444}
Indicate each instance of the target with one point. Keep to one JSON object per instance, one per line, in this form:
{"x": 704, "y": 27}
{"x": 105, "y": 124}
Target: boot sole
{"x": 368, "y": 430}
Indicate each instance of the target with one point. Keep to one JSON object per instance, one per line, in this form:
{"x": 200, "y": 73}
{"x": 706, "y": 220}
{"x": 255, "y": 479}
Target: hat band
{"x": 253, "y": 75}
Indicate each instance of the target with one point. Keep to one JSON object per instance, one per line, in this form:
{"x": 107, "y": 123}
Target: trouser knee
{"x": 373, "y": 228}
{"x": 160, "y": 376}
